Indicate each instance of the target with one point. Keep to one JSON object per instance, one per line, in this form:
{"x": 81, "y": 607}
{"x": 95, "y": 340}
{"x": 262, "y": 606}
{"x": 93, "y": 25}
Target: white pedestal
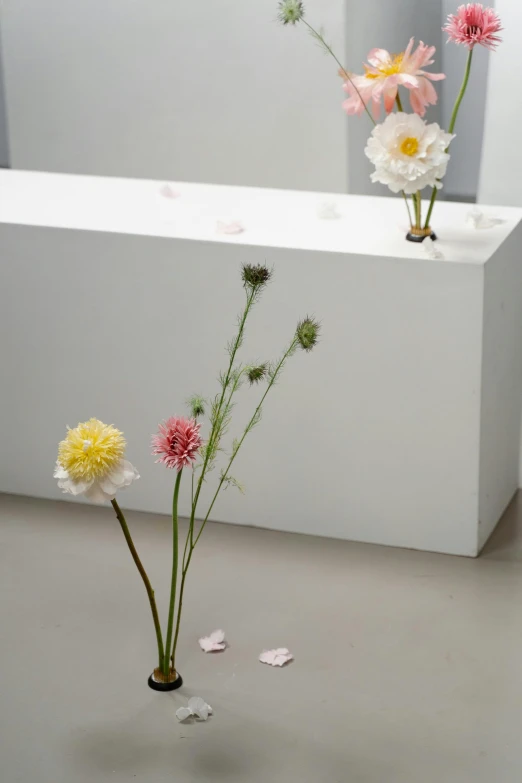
{"x": 402, "y": 428}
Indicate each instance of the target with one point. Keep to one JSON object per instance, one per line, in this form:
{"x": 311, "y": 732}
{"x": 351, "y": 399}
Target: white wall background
{"x": 214, "y": 91}
{"x": 204, "y": 91}
{"x": 4, "y": 148}
{"x": 500, "y": 181}
{"x": 463, "y": 174}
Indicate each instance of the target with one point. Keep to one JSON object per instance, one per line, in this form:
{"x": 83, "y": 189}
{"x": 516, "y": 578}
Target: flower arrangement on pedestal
{"x": 91, "y": 462}
{"x": 408, "y": 153}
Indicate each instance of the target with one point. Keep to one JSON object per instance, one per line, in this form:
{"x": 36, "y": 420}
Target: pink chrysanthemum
{"x": 177, "y": 442}
{"x": 474, "y": 24}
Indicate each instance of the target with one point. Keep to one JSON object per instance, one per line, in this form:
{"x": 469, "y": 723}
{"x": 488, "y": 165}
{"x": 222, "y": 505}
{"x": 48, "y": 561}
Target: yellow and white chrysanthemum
{"x": 91, "y": 461}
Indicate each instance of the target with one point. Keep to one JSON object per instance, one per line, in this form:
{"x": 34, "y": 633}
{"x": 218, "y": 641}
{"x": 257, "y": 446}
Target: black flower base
{"x": 156, "y": 685}
{"x": 413, "y": 236}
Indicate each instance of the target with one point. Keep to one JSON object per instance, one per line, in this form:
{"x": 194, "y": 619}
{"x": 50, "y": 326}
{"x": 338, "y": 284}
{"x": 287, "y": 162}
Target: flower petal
{"x": 59, "y": 472}
{"x": 122, "y": 476}
{"x": 277, "y": 657}
{"x": 213, "y": 643}
{"x": 74, "y": 487}
{"x": 379, "y": 57}
{"x": 199, "y": 707}
{"x": 96, "y": 493}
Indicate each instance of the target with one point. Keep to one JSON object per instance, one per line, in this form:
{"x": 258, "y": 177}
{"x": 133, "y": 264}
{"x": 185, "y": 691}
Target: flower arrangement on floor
{"x": 408, "y": 153}
{"x": 91, "y": 461}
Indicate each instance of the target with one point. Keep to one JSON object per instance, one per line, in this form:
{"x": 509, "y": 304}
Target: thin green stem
{"x": 189, "y": 547}
{"x": 451, "y": 128}
{"x": 188, "y": 541}
{"x": 191, "y": 504}
{"x": 430, "y": 208}
{"x": 329, "y": 49}
{"x": 405, "y": 197}
{"x": 143, "y": 573}
{"x": 418, "y": 214}
{"x": 461, "y": 94}
{"x": 249, "y": 426}
{"x": 180, "y": 606}
{"x": 217, "y": 420}
{"x": 414, "y": 201}
{"x": 174, "y": 580}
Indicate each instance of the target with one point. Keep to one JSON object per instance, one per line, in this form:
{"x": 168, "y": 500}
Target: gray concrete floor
{"x": 407, "y": 670}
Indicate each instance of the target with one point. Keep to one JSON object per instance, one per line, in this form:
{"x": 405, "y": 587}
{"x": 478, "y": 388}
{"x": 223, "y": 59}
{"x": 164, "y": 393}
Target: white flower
{"x": 91, "y": 462}
{"x": 101, "y": 489}
{"x": 197, "y": 708}
{"x": 408, "y": 154}
{"x": 277, "y": 657}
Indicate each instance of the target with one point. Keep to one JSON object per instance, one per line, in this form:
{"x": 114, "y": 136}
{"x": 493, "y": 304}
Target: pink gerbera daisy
{"x": 474, "y": 24}
{"x": 177, "y": 442}
{"x": 386, "y": 72}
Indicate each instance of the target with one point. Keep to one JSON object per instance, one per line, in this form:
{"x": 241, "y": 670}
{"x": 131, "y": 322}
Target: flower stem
{"x": 190, "y": 543}
{"x": 174, "y": 580}
{"x": 414, "y": 201}
{"x": 214, "y": 434}
{"x": 418, "y": 209}
{"x": 405, "y": 197}
{"x": 148, "y": 587}
{"x": 290, "y": 350}
{"x": 180, "y": 606}
{"x": 451, "y": 128}
{"x": 330, "y": 51}
{"x": 461, "y": 93}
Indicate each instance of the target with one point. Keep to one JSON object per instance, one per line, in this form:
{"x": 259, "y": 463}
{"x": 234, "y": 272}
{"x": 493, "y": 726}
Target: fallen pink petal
{"x": 215, "y": 642}
{"x": 168, "y": 192}
{"x": 278, "y": 657}
{"x": 229, "y": 228}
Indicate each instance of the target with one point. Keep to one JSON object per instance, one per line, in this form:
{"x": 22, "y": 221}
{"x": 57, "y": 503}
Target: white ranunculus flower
{"x": 99, "y": 489}
{"x": 91, "y": 462}
{"x": 408, "y": 154}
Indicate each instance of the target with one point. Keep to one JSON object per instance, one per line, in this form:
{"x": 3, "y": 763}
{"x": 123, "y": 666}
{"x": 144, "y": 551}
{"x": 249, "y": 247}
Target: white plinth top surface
{"x": 370, "y": 226}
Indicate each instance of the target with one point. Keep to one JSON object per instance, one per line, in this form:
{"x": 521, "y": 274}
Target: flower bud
{"x": 290, "y": 11}
{"x": 197, "y": 406}
{"x": 256, "y": 275}
{"x": 256, "y": 374}
{"x": 307, "y": 333}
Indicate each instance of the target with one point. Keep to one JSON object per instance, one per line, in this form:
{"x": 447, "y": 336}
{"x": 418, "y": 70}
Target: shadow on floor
{"x": 506, "y": 542}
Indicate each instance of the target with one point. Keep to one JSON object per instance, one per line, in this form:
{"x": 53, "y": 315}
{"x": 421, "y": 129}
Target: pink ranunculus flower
{"x": 386, "y": 72}
{"x": 474, "y": 24}
{"x": 177, "y": 442}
